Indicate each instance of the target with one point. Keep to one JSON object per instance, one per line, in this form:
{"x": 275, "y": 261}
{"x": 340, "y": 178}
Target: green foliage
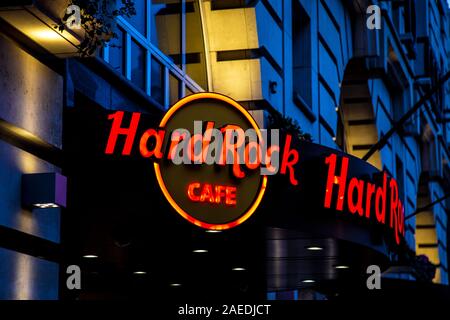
{"x": 98, "y": 22}
{"x": 287, "y": 125}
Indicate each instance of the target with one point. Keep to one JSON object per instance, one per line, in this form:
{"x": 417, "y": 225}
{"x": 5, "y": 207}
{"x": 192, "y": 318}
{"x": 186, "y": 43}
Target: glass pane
{"x": 116, "y": 51}
{"x": 301, "y": 53}
{"x": 195, "y": 49}
{"x": 137, "y": 65}
{"x": 165, "y": 25}
{"x": 174, "y": 89}
{"x": 157, "y": 78}
{"x": 138, "y": 20}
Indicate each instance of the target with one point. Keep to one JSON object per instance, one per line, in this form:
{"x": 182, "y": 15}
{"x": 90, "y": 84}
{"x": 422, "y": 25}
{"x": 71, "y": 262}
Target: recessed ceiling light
{"x": 213, "y": 231}
{"x": 308, "y": 281}
{"x": 90, "y": 256}
{"x": 314, "y": 248}
{"x": 200, "y": 251}
{"x": 45, "y": 205}
{"x": 139, "y": 272}
{"x": 175, "y": 284}
{"x": 341, "y": 267}
{"x": 238, "y": 269}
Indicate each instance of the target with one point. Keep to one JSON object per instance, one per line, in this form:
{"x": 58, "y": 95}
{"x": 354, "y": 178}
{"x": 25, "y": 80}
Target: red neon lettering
{"x": 252, "y": 164}
{"x": 195, "y": 158}
{"x": 394, "y": 202}
{"x": 355, "y": 196}
{"x": 116, "y": 130}
{"x": 397, "y": 211}
{"x": 398, "y": 222}
{"x": 232, "y": 131}
{"x": 401, "y": 220}
{"x": 333, "y": 179}
{"x": 271, "y": 168}
{"x": 175, "y": 140}
{"x": 191, "y": 191}
{"x": 220, "y": 192}
{"x": 207, "y": 138}
{"x": 359, "y": 186}
{"x": 370, "y": 191}
{"x": 381, "y": 194}
{"x": 212, "y": 194}
{"x": 286, "y": 163}
{"x": 230, "y": 196}
{"x": 207, "y": 193}
{"x": 156, "y": 151}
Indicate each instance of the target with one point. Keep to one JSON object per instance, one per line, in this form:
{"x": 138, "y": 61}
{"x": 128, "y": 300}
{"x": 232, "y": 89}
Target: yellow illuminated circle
{"x": 183, "y": 102}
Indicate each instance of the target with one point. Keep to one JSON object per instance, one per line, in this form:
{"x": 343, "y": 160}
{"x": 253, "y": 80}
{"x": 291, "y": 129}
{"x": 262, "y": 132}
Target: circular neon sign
{"x": 210, "y": 196}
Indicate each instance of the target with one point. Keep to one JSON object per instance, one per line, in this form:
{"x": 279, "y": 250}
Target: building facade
{"x": 328, "y": 64}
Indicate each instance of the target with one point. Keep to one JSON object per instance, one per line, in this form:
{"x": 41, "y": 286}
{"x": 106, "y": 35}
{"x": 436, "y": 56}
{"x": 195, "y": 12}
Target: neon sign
{"x": 220, "y": 185}
{"x": 364, "y": 198}
{"x": 192, "y": 185}
{"x": 217, "y": 194}
{"x": 226, "y": 153}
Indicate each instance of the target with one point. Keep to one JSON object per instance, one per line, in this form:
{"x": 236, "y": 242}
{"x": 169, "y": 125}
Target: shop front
{"x": 202, "y": 201}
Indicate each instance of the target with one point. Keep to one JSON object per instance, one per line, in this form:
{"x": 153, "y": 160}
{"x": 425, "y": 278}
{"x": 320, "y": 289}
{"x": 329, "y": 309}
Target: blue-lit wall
{"x": 401, "y": 61}
{"x": 31, "y": 99}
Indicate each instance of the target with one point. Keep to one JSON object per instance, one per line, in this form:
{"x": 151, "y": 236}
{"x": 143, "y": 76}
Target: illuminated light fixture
{"x": 308, "y": 281}
{"x": 44, "y": 190}
{"x": 314, "y": 248}
{"x": 45, "y": 205}
{"x": 213, "y": 231}
{"x": 334, "y": 138}
{"x": 238, "y": 269}
{"x": 139, "y": 272}
{"x": 341, "y": 267}
{"x": 175, "y": 284}
{"x": 336, "y": 109}
{"x": 90, "y": 256}
{"x": 46, "y": 35}
{"x": 200, "y": 251}
{"x": 36, "y": 20}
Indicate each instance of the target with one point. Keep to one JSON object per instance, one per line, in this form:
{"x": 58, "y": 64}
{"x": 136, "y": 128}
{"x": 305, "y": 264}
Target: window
{"x": 428, "y": 149}
{"x": 399, "y": 17}
{"x": 116, "y": 52}
{"x": 400, "y": 178}
{"x": 301, "y": 53}
{"x": 398, "y": 105}
{"x": 157, "y": 81}
{"x": 137, "y": 65}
